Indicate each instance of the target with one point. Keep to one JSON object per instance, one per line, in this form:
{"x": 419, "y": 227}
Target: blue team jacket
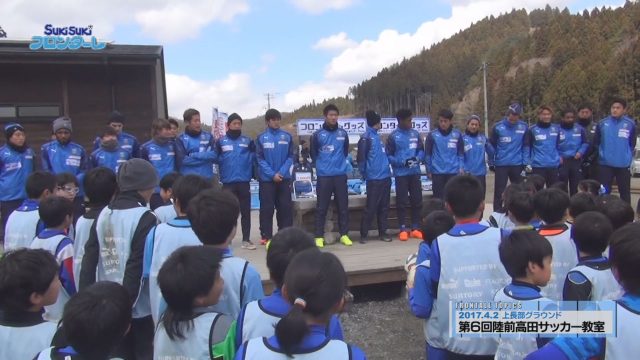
{"x": 161, "y": 156}
{"x": 71, "y": 158}
{"x": 615, "y": 140}
{"x": 475, "y": 147}
{"x": 235, "y": 157}
{"x": 444, "y": 151}
{"x": 15, "y": 168}
{"x": 372, "y": 158}
{"x": 275, "y": 152}
{"x": 109, "y": 159}
{"x": 126, "y": 141}
{"x": 329, "y": 149}
{"x": 195, "y": 155}
{"x": 572, "y": 141}
{"x": 402, "y": 145}
{"x": 542, "y": 142}
{"x": 508, "y": 140}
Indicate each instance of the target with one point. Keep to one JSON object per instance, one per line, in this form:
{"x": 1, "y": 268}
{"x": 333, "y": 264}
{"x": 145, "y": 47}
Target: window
{"x": 41, "y": 110}
{"x": 7, "y": 111}
{"x": 29, "y": 112}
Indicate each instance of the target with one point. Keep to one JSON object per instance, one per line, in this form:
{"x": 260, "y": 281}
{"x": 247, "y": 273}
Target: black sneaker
{"x": 385, "y": 238}
{"x": 363, "y": 240}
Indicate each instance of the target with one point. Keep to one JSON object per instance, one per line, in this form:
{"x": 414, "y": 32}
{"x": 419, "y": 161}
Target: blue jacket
{"x": 15, "y": 168}
{"x": 236, "y": 157}
{"x": 475, "y": 147}
{"x": 126, "y": 141}
{"x": 109, "y": 159}
{"x": 275, "y": 152}
{"x": 402, "y": 145}
{"x": 615, "y": 140}
{"x": 195, "y": 155}
{"x": 161, "y": 156}
{"x": 372, "y": 158}
{"x": 508, "y": 140}
{"x": 71, "y": 158}
{"x": 444, "y": 151}
{"x": 572, "y": 141}
{"x": 542, "y": 143}
{"x": 329, "y": 149}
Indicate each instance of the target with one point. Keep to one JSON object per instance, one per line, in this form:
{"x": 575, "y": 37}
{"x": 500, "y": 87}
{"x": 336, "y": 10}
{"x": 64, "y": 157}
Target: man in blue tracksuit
{"x": 615, "y": 140}
{"x": 160, "y": 152}
{"x": 374, "y": 167}
{"x": 194, "y": 147}
{"x": 275, "y": 152}
{"x": 572, "y": 145}
{"x": 126, "y": 141}
{"x": 16, "y": 163}
{"x": 476, "y": 145}
{"x": 405, "y": 151}
{"x": 329, "y": 149}
{"x": 235, "y": 154}
{"x": 63, "y": 155}
{"x": 507, "y": 137}
{"x": 109, "y": 154}
{"x": 444, "y": 153}
{"x": 541, "y": 147}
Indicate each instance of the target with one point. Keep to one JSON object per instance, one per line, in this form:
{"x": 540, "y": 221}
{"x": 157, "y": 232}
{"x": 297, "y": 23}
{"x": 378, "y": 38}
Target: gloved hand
{"x": 586, "y": 164}
{"x": 528, "y": 169}
{"x": 492, "y": 168}
{"x": 411, "y": 162}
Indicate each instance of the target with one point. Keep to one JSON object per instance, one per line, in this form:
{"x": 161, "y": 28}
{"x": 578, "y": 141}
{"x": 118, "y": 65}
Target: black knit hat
{"x": 11, "y": 128}
{"x": 232, "y": 117}
{"x": 372, "y": 118}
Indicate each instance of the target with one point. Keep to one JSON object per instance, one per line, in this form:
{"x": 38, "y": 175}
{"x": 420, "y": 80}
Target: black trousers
{"x": 275, "y": 196}
{"x": 138, "y": 343}
{"x": 336, "y": 186}
{"x": 550, "y": 174}
{"x": 378, "y": 198}
{"x": 156, "y": 201}
{"x": 409, "y": 193}
{"x": 504, "y": 174}
{"x": 242, "y": 191}
{"x": 570, "y": 173}
{"x": 438, "y": 182}
{"x": 6, "y": 208}
{"x": 623, "y": 179}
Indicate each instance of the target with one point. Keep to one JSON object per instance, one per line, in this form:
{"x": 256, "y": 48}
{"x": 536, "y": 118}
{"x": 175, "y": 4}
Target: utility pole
{"x": 486, "y": 106}
{"x": 269, "y": 96}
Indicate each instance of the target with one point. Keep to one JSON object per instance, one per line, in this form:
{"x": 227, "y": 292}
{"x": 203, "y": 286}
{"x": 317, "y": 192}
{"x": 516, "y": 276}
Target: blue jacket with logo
{"x": 402, "y": 145}
{"x": 236, "y": 157}
{"x": 275, "y": 152}
{"x": 58, "y": 158}
{"x": 109, "y": 159}
{"x": 475, "y": 148}
{"x": 126, "y": 141}
{"x": 15, "y": 167}
{"x": 572, "y": 141}
{"x": 508, "y": 141}
{"x": 161, "y": 156}
{"x": 195, "y": 155}
{"x": 329, "y": 149}
{"x": 542, "y": 142}
{"x": 444, "y": 151}
{"x": 615, "y": 140}
{"x": 372, "y": 158}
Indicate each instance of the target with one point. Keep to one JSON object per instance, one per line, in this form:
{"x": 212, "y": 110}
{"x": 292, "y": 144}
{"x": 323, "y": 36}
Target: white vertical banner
{"x": 218, "y": 123}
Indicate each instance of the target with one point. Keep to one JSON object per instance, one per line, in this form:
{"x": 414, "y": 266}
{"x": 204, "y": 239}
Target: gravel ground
{"x": 381, "y": 324}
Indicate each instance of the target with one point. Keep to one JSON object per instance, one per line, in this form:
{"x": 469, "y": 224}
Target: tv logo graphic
{"x": 3, "y": 34}
{"x": 66, "y": 38}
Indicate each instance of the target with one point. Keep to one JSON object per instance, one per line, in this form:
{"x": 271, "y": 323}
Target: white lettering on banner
{"x": 359, "y": 126}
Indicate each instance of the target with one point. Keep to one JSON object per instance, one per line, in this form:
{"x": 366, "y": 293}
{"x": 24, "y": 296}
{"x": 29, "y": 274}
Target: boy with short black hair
{"x": 618, "y": 211}
{"x": 500, "y": 219}
{"x": 551, "y": 206}
{"x": 526, "y": 256}
{"x": 591, "y": 279}
{"x": 521, "y": 211}
{"x": 24, "y": 223}
{"x": 167, "y": 212}
{"x": 28, "y": 283}
{"x": 590, "y": 186}
{"x": 580, "y": 203}
{"x": 214, "y": 215}
{"x": 165, "y": 238}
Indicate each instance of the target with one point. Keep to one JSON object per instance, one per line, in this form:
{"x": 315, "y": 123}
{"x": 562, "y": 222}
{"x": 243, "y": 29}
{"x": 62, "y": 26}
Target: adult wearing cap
{"x": 63, "y": 155}
{"x": 275, "y": 152}
{"x": 117, "y": 242}
{"x": 508, "y": 139}
{"x": 16, "y": 163}
{"x": 126, "y": 141}
{"x": 444, "y": 153}
{"x": 235, "y": 154}
{"x": 374, "y": 168}
{"x": 476, "y": 146}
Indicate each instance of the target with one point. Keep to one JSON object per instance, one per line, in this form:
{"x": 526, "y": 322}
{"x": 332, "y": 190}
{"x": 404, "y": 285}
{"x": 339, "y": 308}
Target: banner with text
{"x": 359, "y": 126}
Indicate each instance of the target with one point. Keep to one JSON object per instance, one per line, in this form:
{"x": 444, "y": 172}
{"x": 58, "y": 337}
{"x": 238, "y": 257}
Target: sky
{"x": 230, "y": 53}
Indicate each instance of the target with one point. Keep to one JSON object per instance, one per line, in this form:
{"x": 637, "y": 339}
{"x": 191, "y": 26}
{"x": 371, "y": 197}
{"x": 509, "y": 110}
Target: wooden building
{"x": 87, "y": 85}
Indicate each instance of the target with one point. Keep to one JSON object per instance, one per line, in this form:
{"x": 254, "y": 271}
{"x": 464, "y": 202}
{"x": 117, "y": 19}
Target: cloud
{"x": 319, "y": 6}
{"x": 163, "y": 20}
{"x": 234, "y": 93}
{"x": 339, "y": 41}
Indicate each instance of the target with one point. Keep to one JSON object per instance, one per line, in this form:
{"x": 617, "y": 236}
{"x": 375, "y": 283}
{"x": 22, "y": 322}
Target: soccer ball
{"x": 410, "y": 262}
